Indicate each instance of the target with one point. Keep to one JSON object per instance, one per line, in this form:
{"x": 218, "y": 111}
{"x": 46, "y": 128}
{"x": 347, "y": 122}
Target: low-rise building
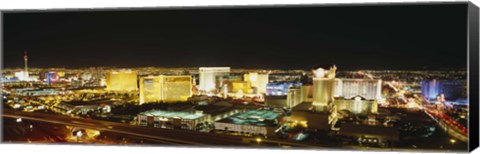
{"x": 374, "y": 135}
{"x": 76, "y": 107}
{"x": 254, "y": 122}
{"x": 357, "y": 105}
{"x": 172, "y": 119}
{"x": 307, "y": 114}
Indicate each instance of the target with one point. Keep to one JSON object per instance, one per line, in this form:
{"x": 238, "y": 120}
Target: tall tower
{"x": 25, "y": 60}
{"x": 323, "y": 87}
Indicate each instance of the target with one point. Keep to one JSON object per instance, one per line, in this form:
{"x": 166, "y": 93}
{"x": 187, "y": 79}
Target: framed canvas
{"x": 358, "y": 77}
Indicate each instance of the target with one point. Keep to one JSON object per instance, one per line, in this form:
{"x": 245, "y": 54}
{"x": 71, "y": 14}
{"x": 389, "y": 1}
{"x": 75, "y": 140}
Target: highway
{"x": 166, "y": 136}
{"x": 448, "y": 128}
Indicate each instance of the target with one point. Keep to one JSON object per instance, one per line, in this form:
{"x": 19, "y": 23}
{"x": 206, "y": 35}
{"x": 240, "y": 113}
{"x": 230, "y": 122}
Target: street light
{"x": 258, "y": 140}
{"x": 452, "y": 141}
{"x": 79, "y": 134}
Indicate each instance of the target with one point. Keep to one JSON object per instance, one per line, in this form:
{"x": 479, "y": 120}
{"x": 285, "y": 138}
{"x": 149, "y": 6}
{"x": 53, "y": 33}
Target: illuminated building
{"x": 177, "y": 88}
{"x": 280, "y": 89}
{"x": 313, "y": 119}
{"x": 294, "y": 96}
{"x": 367, "y": 88}
{"x": 217, "y": 110}
{"x": 51, "y": 77}
{"x": 357, "y": 105}
{"x": 37, "y": 92}
{"x": 259, "y": 81}
{"x": 77, "y": 107}
{"x": 86, "y": 76}
{"x": 208, "y": 76}
{"x": 451, "y": 89}
{"x": 150, "y": 89}
{"x": 323, "y": 87}
{"x": 226, "y": 79}
{"x": 225, "y": 91}
{"x": 254, "y": 122}
{"x": 60, "y": 74}
{"x": 307, "y": 93}
{"x": 172, "y": 119}
{"x": 165, "y": 89}
{"x": 124, "y": 80}
{"x": 22, "y": 76}
{"x": 243, "y": 86}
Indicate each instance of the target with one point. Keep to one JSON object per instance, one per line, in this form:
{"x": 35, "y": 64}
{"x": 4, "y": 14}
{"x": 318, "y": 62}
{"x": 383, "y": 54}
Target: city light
{"x": 199, "y": 88}
{"x": 452, "y": 141}
{"x": 258, "y": 140}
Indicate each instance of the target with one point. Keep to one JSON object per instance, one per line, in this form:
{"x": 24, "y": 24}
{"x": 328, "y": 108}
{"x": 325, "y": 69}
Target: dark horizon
{"x": 383, "y": 37}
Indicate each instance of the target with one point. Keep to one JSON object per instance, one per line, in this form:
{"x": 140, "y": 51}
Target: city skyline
{"x": 368, "y": 77}
{"x": 349, "y": 37}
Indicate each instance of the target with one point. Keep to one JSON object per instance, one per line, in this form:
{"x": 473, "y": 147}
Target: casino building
{"x": 172, "y": 119}
{"x": 164, "y": 88}
{"x": 451, "y": 89}
{"x": 253, "y": 122}
{"x": 208, "y": 78}
{"x": 257, "y": 80}
{"x": 124, "y": 80}
{"x": 369, "y": 89}
{"x": 323, "y": 87}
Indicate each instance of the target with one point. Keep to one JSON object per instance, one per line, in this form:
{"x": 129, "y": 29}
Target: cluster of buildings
{"x": 177, "y": 88}
{"x": 355, "y": 95}
{"x": 220, "y": 81}
{"x": 165, "y": 88}
{"x": 444, "y": 90}
{"x": 313, "y": 106}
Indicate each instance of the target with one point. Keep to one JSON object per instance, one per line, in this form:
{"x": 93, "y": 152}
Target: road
{"x": 448, "y": 128}
{"x": 167, "y": 136}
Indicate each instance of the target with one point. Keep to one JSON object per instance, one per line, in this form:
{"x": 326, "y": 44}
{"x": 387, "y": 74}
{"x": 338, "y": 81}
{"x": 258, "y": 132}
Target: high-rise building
{"x": 165, "y": 89}
{"x": 177, "y": 88}
{"x": 150, "y": 89}
{"x": 244, "y": 86}
{"x": 357, "y": 105}
{"x": 257, "y": 80}
{"x": 294, "y": 96}
{"x": 51, "y": 77}
{"x": 124, "y": 80}
{"x": 323, "y": 87}
{"x": 208, "y": 76}
{"x": 22, "y": 76}
{"x": 451, "y": 89}
{"x": 25, "y": 59}
{"x": 307, "y": 93}
{"x": 369, "y": 89}
{"x": 228, "y": 80}
{"x": 280, "y": 89}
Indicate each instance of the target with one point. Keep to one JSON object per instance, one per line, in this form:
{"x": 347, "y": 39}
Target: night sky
{"x": 352, "y": 37}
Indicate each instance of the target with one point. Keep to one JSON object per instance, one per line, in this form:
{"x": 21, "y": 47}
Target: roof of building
{"x": 253, "y": 117}
{"x": 173, "y": 114}
{"x": 304, "y": 106}
{"x": 377, "y": 131}
{"x": 94, "y": 102}
{"x": 215, "y": 108}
